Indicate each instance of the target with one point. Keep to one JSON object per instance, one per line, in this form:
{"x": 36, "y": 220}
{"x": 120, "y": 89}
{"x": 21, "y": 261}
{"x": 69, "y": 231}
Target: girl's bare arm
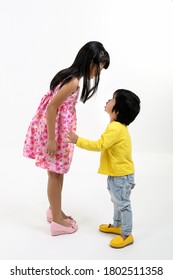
{"x": 52, "y": 108}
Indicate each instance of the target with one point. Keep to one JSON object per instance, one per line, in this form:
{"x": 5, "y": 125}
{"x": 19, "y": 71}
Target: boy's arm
{"x": 107, "y": 139}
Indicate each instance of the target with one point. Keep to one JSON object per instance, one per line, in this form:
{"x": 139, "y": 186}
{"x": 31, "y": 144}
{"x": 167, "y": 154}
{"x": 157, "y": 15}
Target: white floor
{"x": 24, "y": 232}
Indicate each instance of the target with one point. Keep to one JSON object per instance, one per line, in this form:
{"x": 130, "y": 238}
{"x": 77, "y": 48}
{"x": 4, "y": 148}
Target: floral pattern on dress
{"x": 36, "y": 137}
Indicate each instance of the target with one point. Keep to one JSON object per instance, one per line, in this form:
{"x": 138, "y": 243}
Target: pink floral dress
{"x": 36, "y": 137}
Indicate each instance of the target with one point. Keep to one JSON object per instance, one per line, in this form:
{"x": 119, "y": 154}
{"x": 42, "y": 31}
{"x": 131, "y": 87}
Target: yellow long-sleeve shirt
{"x": 116, "y": 150}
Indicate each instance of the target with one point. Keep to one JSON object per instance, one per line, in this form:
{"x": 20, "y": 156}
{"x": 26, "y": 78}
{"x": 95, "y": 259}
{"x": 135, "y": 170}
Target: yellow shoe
{"x": 110, "y": 229}
{"x": 118, "y": 241}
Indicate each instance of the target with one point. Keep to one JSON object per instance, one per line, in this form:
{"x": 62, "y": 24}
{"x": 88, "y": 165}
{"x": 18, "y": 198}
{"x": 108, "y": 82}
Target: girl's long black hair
{"x": 91, "y": 52}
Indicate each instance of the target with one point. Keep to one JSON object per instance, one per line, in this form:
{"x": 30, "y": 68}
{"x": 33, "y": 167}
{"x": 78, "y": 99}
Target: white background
{"x": 39, "y": 38}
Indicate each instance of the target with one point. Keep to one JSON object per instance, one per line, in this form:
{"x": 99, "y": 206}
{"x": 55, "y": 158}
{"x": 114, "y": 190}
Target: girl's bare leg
{"x": 54, "y": 191}
{"x": 63, "y": 214}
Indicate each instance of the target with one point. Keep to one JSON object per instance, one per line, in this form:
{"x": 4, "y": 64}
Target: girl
{"x": 46, "y": 137}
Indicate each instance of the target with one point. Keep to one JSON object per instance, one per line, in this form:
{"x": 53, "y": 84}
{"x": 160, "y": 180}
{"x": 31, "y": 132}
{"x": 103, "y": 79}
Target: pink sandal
{"x": 57, "y": 229}
{"x": 49, "y": 217}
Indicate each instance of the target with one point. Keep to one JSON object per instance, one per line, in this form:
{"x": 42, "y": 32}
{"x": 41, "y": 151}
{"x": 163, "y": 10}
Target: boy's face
{"x": 109, "y": 106}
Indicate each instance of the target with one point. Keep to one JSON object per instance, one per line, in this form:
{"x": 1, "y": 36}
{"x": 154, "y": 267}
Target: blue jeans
{"x": 120, "y": 189}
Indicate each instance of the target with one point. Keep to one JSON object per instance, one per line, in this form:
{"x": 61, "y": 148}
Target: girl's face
{"x": 93, "y": 69}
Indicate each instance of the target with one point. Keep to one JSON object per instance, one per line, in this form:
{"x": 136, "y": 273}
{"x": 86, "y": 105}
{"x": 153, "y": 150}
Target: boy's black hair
{"x": 91, "y": 52}
{"x": 127, "y": 106}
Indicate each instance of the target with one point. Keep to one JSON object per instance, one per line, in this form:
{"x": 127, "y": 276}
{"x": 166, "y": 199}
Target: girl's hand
{"x": 51, "y": 148}
{"x": 72, "y": 137}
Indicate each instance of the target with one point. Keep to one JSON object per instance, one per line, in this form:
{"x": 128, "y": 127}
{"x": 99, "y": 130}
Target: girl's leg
{"x": 55, "y": 182}
{"x": 61, "y": 182}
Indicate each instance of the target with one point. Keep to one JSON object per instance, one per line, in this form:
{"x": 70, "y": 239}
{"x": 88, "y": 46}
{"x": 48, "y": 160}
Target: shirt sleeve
{"x": 107, "y": 139}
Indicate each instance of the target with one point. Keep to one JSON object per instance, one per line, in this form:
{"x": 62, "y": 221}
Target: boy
{"x": 116, "y": 162}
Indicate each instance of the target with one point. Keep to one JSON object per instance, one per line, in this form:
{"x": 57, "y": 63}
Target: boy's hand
{"x": 72, "y": 137}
